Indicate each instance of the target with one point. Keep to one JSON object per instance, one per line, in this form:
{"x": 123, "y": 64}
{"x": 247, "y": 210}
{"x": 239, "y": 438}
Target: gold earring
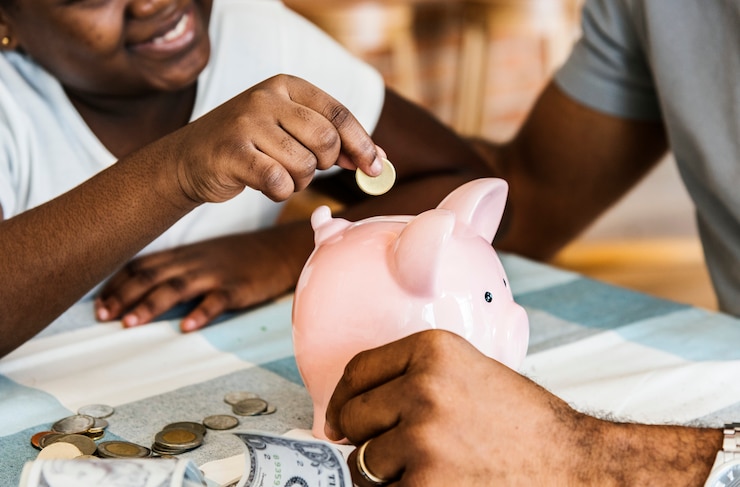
{"x": 5, "y": 41}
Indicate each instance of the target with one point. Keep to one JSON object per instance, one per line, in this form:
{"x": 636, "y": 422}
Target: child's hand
{"x": 228, "y": 273}
{"x": 272, "y": 137}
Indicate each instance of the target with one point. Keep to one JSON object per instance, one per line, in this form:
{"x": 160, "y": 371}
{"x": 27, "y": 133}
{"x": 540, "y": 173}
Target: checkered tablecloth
{"x": 604, "y": 349}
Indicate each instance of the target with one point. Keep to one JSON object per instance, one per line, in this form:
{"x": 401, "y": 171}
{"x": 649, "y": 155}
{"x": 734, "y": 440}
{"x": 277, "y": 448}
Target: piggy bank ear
{"x": 418, "y": 249}
{"x": 324, "y": 226}
{"x": 479, "y": 203}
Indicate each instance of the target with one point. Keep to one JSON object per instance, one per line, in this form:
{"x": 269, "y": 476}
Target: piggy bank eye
{"x": 505, "y": 283}
{"x": 488, "y": 297}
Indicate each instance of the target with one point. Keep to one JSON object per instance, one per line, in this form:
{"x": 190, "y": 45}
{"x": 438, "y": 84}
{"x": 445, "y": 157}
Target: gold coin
{"x": 122, "y": 449}
{"x": 83, "y": 443}
{"x": 221, "y": 422}
{"x": 187, "y": 425}
{"x": 178, "y": 436}
{"x": 250, "y": 407}
{"x": 60, "y": 451}
{"x": 380, "y": 184}
{"x": 172, "y": 440}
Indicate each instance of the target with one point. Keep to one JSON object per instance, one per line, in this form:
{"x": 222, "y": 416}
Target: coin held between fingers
{"x": 380, "y": 184}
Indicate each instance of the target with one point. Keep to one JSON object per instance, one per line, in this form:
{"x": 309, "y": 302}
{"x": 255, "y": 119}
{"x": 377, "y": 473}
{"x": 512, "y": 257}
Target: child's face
{"x": 115, "y": 47}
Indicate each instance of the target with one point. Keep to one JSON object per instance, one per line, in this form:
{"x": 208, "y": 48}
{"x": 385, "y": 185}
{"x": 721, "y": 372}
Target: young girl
{"x": 173, "y": 129}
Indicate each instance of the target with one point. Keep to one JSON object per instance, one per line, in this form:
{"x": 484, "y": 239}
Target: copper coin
{"x": 36, "y": 439}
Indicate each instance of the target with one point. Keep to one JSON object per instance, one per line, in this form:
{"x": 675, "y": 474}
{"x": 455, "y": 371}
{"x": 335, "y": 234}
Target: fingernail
{"x": 103, "y": 314}
{"x": 329, "y": 431}
{"x": 130, "y": 320}
{"x": 188, "y": 325}
{"x": 376, "y": 167}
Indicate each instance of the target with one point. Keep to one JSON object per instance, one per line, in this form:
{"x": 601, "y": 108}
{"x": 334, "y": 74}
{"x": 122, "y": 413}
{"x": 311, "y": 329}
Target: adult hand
{"x": 228, "y": 273}
{"x": 438, "y": 412}
{"x": 272, "y": 137}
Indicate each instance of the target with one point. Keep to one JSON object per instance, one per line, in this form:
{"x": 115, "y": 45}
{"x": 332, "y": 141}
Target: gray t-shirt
{"x": 677, "y": 61}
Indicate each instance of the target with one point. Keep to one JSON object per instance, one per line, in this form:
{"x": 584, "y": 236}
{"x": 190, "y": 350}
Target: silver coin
{"x": 79, "y": 423}
{"x": 162, "y": 451}
{"x": 95, "y": 436}
{"x": 188, "y": 425}
{"x": 36, "y": 438}
{"x": 250, "y": 407}
{"x": 236, "y": 396}
{"x": 178, "y": 439}
{"x": 220, "y": 422}
{"x": 98, "y": 426}
{"x": 96, "y": 410}
{"x": 270, "y": 409}
{"x": 47, "y": 439}
{"x": 163, "y": 455}
{"x": 82, "y": 442}
{"x": 122, "y": 449}
{"x": 380, "y": 184}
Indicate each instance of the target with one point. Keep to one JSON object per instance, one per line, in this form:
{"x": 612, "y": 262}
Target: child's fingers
{"x": 356, "y": 145}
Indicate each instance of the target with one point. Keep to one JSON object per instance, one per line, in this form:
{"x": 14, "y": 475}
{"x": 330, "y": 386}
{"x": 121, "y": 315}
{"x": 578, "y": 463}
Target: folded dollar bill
{"x": 280, "y": 460}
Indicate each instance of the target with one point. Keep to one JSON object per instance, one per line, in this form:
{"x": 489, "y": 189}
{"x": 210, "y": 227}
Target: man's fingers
{"x": 366, "y": 371}
{"x": 377, "y": 461}
{"x": 373, "y": 412}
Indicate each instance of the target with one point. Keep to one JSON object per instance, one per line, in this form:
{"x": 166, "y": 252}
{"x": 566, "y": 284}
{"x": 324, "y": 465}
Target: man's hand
{"x": 438, "y": 412}
{"x": 441, "y": 413}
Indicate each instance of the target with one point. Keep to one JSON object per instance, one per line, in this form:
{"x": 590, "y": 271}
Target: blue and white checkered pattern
{"x": 604, "y": 349}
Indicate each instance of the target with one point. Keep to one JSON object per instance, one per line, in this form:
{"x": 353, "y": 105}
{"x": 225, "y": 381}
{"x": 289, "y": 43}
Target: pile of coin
{"x": 75, "y": 436}
{"x": 244, "y": 403}
{"x": 176, "y": 438}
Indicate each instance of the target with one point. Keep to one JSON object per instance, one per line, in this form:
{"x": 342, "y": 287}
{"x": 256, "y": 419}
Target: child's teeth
{"x": 174, "y": 33}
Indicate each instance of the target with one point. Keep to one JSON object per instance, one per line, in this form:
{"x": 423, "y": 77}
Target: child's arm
{"x": 271, "y": 137}
{"x": 243, "y": 270}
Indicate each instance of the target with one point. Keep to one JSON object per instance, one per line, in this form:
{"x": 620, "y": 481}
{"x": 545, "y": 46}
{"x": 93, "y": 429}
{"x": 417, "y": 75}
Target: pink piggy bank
{"x": 380, "y": 279}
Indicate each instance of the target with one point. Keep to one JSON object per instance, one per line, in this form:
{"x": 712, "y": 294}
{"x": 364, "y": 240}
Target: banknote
{"x": 94, "y": 472}
{"x": 288, "y": 462}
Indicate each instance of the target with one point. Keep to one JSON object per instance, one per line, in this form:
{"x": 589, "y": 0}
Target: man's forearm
{"x": 632, "y": 454}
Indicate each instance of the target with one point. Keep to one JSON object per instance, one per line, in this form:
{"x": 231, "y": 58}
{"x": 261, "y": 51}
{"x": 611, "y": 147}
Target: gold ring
{"x": 362, "y": 467}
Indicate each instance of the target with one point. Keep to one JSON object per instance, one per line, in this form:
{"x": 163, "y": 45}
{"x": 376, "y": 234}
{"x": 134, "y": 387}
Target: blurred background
{"x": 479, "y": 65}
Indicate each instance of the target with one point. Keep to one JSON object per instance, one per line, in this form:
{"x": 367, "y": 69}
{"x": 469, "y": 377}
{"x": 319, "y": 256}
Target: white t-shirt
{"x": 46, "y": 148}
{"x": 677, "y": 61}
